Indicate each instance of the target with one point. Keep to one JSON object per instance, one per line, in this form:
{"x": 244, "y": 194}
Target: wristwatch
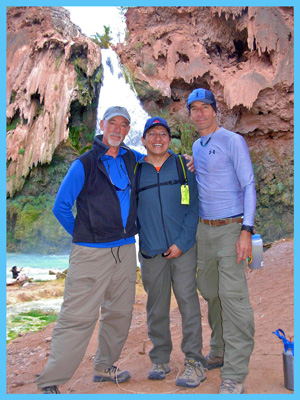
{"x": 248, "y": 228}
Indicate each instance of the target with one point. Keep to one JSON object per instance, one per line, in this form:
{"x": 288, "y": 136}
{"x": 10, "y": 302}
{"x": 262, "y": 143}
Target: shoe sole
{"x": 214, "y": 366}
{"x": 232, "y": 393}
{"x": 121, "y": 378}
{"x": 185, "y": 384}
{"x": 158, "y": 377}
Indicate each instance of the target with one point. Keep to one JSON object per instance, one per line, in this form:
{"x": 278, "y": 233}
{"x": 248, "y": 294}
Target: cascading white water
{"x": 115, "y": 91}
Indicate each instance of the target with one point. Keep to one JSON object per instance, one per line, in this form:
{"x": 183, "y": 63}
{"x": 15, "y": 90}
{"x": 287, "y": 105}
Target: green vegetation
{"x": 13, "y": 124}
{"x": 103, "y": 41}
{"x": 149, "y": 69}
{"x": 138, "y": 46}
{"x": 80, "y": 136}
{"x": 58, "y": 61}
{"x": 99, "y": 74}
{"x": 128, "y": 77}
{"x": 33, "y": 321}
{"x": 13, "y": 97}
{"x": 86, "y": 84}
{"x": 31, "y": 225}
{"x": 146, "y": 92}
{"x": 182, "y": 129}
{"x": 274, "y": 217}
{"x": 80, "y": 65}
{"x": 21, "y": 151}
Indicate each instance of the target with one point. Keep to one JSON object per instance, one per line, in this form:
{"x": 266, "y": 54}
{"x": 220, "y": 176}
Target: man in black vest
{"x": 102, "y": 270}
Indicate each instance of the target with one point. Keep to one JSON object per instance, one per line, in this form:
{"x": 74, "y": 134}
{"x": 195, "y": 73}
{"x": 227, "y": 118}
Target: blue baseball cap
{"x": 155, "y": 121}
{"x": 204, "y": 95}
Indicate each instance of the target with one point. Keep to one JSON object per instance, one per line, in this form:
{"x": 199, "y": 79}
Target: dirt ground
{"x": 271, "y": 292}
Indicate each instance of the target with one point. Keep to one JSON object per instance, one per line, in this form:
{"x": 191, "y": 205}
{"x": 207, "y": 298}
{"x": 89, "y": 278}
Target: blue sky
{"x": 94, "y": 23}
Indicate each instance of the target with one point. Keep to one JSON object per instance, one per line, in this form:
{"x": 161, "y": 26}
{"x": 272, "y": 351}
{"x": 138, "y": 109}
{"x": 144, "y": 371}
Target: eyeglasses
{"x": 162, "y": 135}
{"x": 118, "y": 189}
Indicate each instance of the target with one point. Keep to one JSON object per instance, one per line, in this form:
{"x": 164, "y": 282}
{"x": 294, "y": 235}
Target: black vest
{"x": 98, "y": 218}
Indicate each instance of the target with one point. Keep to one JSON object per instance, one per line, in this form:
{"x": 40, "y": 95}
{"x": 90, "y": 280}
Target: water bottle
{"x": 288, "y": 359}
{"x": 288, "y": 369}
{"x": 255, "y": 260}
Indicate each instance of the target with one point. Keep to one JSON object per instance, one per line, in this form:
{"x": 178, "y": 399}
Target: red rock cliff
{"x": 47, "y": 60}
{"x": 245, "y": 56}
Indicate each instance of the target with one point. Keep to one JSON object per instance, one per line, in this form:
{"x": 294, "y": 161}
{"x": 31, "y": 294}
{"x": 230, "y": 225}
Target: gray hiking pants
{"x": 158, "y": 276}
{"x": 222, "y": 283}
{"x": 96, "y": 278}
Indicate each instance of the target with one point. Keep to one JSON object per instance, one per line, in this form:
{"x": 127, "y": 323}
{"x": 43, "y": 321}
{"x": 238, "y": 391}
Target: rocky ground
{"x": 271, "y": 291}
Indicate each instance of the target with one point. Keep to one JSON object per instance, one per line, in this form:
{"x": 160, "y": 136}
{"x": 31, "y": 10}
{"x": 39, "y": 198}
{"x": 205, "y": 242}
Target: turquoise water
{"x": 36, "y": 266}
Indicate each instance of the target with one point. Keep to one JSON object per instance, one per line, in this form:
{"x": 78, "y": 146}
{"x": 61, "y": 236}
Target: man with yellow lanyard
{"x": 167, "y": 219}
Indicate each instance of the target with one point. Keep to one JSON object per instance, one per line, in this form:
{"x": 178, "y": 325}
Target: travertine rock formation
{"x": 50, "y": 67}
{"x": 245, "y": 56}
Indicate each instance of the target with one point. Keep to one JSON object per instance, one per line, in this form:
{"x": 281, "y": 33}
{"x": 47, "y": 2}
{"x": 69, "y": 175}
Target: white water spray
{"x": 115, "y": 91}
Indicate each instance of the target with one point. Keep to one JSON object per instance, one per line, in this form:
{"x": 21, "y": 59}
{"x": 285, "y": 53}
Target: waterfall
{"x": 115, "y": 91}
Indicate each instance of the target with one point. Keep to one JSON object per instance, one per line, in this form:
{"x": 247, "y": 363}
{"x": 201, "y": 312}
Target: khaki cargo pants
{"x": 222, "y": 283}
{"x": 96, "y": 278}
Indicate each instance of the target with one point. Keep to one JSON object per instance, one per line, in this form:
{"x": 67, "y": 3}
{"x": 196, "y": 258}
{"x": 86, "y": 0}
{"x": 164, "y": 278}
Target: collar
{"x": 102, "y": 148}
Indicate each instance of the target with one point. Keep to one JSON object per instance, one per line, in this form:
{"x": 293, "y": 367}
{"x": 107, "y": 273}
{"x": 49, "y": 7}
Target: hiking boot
{"x": 50, "y": 390}
{"x": 214, "y": 361}
{"x": 159, "y": 371}
{"x": 112, "y": 374}
{"x": 193, "y": 375}
{"x": 230, "y": 386}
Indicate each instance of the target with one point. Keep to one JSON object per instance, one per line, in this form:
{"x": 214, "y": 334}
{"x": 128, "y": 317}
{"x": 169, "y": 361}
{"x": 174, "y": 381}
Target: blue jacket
{"x": 163, "y": 220}
{"x": 88, "y": 183}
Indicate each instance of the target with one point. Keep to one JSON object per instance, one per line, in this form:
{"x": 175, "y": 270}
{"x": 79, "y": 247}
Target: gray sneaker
{"x": 51, "y": 390}
{"x": 193, "y": 375}
{"x": 230, "y": 386}
{"x": 112, "y": 374}
{"x": 159, "y": 371}
{"x": 214, "y": 361}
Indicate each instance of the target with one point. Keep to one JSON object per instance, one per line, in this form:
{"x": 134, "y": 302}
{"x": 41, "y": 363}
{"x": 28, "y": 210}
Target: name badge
{"x": 185, "y": 194}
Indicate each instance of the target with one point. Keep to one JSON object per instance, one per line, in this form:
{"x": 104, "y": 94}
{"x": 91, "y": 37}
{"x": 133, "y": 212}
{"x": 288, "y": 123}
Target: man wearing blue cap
{"x": 167, "y": 218}
{"x": 102, "y": 270}
{"x": 227, "y": 201}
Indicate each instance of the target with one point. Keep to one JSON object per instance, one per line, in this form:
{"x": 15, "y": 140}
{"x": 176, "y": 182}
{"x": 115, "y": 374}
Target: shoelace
{"x": 50, "y": 390}
{"x": 158, "y": 367}
{"x": 190, "y": 367}
{"x": 228, "y": 384}
{"x": 112, "y": 369}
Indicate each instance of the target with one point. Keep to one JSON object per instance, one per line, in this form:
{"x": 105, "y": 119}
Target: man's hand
{"x": 243, "y": 246}
{"x": 173, "y": 252}
{"x": 190, "y": 163}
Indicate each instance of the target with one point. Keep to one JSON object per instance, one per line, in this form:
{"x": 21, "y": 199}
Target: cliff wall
{"x": 53, "y": 81}
{"x": 51, "y": 67}
{"x": 245, "y": 56}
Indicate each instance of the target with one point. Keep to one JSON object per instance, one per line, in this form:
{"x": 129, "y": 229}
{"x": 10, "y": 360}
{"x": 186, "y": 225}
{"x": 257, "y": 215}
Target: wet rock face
{"x": 245, "y": 56}
{"x": 51, "y": 68}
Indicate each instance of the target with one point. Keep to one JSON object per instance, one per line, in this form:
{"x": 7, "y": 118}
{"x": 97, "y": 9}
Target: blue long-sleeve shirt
{"x": 72, "y": 185}
{"x": 225, "y": 177}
